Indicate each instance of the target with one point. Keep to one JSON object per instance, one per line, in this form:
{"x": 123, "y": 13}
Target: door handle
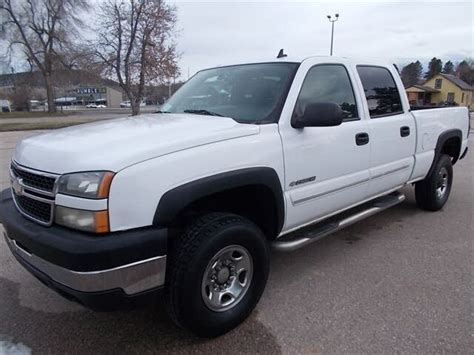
{"x": 362, "y": 138}
{"x": 404, "y": 131}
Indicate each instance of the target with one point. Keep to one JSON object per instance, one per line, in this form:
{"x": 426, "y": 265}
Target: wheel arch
{"x": 449, "y": 142}
{"x": 244, "y": 191}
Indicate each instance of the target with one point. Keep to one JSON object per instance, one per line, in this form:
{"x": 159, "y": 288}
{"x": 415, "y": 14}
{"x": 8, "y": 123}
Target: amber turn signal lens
{"x": 102, "y": 222}
{"x": 103, "y": 191}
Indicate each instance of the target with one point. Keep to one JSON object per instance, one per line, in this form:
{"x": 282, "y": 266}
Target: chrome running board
{"x": 310, "y": 234}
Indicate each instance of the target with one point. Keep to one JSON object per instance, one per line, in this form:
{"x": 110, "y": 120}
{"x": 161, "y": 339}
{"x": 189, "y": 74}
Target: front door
{"x": 326, "y": 168}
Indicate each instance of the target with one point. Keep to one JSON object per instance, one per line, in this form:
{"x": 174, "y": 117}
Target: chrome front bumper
{"x": 132, "y": 278}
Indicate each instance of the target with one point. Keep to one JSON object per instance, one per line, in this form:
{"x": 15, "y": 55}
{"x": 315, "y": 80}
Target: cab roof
{"x": 323, "y": 58}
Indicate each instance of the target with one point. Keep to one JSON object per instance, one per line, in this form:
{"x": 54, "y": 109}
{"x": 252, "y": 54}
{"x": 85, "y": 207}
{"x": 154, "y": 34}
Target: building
{"x": 88, "y": 94}
{"x": 420, "y": 95}
{"x": 71, "y": 87}
{"x": 442, "y": 89}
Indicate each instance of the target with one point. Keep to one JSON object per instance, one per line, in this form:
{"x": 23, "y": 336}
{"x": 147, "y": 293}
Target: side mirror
{"x": 320, "y": 114}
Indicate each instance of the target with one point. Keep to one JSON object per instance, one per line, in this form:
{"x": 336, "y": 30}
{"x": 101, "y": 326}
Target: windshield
{"x": 248, "y": 93}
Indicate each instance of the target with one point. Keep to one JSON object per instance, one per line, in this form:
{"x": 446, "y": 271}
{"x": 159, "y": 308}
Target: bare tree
{"x": 44, "y": 30}
{"x": 20, "y": 98}
{"x": 465, "y": 71}
{"x": 136, "y": 44}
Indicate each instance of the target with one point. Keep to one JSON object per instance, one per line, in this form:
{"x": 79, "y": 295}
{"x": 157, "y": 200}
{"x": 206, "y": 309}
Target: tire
{"x": 433, "y": 192}
{"x": 189, "y": 281}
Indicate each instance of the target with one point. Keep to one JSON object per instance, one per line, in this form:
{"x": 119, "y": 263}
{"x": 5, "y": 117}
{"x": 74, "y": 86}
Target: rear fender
{"x": 442, "y": 139}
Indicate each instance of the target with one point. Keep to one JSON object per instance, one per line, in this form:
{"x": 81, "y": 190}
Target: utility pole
{"x": 336, "y": 17}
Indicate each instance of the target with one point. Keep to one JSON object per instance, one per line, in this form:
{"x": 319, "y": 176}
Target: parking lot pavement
{"x": 8, "y": 141}
{"x": 401, "y": 281}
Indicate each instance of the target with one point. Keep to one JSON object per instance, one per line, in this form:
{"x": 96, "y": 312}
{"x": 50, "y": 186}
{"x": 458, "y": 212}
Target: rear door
{"x": 392, "y": 128}
{"x": 326, "y": 168}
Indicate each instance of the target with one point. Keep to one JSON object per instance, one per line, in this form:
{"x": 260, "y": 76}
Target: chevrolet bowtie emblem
{"x": 17, "y": 186}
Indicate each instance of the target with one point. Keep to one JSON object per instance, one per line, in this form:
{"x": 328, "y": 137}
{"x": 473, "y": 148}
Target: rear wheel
{"x": 217, "y": 273}
{"x": 433, "y": 192}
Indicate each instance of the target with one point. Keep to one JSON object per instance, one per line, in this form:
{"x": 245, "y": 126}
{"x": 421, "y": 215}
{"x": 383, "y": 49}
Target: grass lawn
{"x": 25, "y": 114}
{"x": 26, "y": 126}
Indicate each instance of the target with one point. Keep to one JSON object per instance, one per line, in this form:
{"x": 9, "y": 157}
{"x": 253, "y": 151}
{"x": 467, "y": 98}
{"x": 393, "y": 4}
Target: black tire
{"x": 190, "y": 258}
{"x": 429, "y": 193}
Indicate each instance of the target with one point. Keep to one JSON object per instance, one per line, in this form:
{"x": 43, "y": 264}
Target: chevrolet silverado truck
{"x": 189, "y": 201}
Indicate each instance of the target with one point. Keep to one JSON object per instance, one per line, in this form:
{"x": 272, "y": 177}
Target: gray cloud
{"x": 215, "y": 33}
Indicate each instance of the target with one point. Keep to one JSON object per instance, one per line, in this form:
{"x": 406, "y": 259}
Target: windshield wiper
{"x": 203, "y": 112}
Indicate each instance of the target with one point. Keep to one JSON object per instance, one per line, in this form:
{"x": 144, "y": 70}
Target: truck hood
{"x": 115, "y": 144}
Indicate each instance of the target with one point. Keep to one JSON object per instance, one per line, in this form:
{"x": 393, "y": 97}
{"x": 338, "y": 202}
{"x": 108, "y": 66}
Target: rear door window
{"x": 381, "y": 92}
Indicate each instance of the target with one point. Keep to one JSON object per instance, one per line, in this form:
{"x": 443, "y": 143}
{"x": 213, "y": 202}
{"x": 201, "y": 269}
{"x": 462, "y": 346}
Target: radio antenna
{"x": 281, "y": 54}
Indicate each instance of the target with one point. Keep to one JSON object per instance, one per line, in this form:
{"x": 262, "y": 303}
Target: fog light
{"x": 87, "y": 221}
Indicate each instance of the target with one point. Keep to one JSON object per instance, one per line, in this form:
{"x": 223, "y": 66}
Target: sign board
{"x": 88, "y": 91}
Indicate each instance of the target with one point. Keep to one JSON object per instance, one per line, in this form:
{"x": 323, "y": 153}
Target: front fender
{"x": 175, "y": 200}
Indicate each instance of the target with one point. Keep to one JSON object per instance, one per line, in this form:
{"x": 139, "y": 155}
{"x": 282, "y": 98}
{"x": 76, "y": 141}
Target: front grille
{"x": 38, "y": 210}
{"x": 37, "y": 181}
{"x": 33, "y": 193}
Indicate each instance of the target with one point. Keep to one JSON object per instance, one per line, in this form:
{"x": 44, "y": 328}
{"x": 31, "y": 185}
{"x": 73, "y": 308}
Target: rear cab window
{"x": 381, "y": 91}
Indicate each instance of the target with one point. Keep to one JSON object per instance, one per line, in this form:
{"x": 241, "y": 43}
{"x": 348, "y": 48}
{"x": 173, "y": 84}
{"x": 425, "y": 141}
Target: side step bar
{"x": 316, "y": 232}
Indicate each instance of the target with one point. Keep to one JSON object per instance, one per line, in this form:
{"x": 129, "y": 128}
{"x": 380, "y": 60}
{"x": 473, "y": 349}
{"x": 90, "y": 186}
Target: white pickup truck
{"x": 190, "y": 200}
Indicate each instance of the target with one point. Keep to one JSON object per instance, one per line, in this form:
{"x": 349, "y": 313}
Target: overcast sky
{"x": 221, "y": 32}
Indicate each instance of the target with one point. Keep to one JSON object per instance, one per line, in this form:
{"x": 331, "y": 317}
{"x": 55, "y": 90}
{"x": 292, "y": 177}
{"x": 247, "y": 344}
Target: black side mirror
{"x": 320, "y": 114}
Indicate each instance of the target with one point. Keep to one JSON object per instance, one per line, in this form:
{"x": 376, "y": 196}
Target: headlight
{"x": 87, "y": 221}
{"x": 89, "y": 185}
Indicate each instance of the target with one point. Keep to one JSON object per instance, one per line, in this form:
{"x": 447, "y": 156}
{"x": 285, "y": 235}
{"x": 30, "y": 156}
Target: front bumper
{"x": 97, "y": 271}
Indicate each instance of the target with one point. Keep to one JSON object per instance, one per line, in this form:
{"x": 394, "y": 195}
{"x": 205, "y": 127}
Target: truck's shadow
{"x": 139, "y": 331}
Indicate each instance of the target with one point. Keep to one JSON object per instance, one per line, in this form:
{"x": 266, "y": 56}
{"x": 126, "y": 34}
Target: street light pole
{"x": 336, "y": 17}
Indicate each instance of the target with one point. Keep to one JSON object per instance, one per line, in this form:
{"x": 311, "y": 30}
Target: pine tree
{"x": 411, "y": 73}
{"x": 434, "y": 67}
{"x": 448, "y": 67}
{"x": 418, "y": 70}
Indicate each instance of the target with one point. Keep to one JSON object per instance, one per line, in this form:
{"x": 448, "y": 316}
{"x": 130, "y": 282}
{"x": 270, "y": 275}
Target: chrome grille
{"x": 40, "y": 211}
{"x": 37, "y": 180}
{"x": 33, "y": 193}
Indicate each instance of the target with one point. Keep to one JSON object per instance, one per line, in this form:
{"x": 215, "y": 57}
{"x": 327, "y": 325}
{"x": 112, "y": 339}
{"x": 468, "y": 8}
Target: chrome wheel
{"x": 442, "y": 185}
{"x": 227, "y": 278}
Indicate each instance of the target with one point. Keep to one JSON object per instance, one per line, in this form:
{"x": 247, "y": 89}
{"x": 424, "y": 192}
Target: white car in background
{"x": 91, "y": 106}
{"x": 127, "y": 104}
{"x": 5, "y": 106}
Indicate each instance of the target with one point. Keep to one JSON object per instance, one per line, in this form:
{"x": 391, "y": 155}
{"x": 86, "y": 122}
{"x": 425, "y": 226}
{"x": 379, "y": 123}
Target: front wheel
{"x": 433, "y": 192}
{"x": 217, "y": 273}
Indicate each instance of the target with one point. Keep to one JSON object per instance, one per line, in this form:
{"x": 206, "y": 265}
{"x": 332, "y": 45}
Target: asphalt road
{"x": 401, "y": 281}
